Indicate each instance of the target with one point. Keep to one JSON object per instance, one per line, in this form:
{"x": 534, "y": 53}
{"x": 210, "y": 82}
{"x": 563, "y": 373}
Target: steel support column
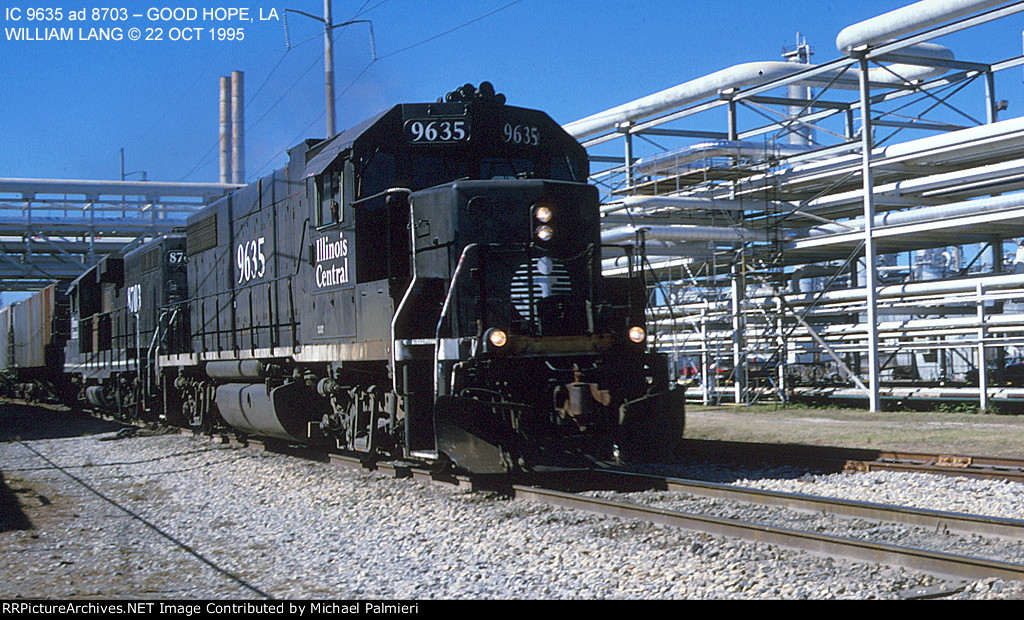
{"x": 870, "y": 268}
{"x": 990, "y": 97}
{"x": 739, "y": 344}
{"x": 982, "y": 365}
{"x": 706, "y": 379}
{"x": 628, "y": 154}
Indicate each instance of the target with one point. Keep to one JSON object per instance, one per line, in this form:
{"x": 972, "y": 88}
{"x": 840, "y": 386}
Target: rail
{"x": 565, "y": 489}
{"x": 944, "y": 564}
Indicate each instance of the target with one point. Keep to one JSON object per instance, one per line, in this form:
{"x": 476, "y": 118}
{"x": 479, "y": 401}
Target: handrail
{"x": 202, "y": 332}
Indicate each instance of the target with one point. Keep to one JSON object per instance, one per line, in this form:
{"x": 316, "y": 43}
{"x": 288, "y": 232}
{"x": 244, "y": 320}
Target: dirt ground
{"x": 959, "y": 433}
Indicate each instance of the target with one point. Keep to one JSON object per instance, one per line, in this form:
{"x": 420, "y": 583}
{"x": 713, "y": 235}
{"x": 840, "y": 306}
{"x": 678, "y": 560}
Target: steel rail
{"x": 532, "y": 488}
{"x": 942, "y": 564}
{"x": 937, "y": 520}
{"x": 960, "y": 460}
{"x": 948, "y": 467}
{"x": 854, "y": 459}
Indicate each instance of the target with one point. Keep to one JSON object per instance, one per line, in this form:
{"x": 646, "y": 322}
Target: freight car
{"x": 427, "y": 283}
{"x": 32, "y": 336}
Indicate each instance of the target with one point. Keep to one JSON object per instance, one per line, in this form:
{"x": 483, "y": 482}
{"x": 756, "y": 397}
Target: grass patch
{"x": 956, "y": 431}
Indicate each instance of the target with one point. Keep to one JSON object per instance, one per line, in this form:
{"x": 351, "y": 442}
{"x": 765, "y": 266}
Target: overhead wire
{"x": 213, "y": 149}
{"x": 363, "y": 10}
{"x": 374, "y": 60}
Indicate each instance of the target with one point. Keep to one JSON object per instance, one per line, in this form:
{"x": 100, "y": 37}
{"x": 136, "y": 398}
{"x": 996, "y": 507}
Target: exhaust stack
{"x": 225, "y": 130}
{"x": 237, "y": 129}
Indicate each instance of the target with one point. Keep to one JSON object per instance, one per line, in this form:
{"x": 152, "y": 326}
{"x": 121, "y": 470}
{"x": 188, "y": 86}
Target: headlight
{"x": 497, "y": 337}
{"x": 543, "y": 214}
{"x": 637, "y": 334}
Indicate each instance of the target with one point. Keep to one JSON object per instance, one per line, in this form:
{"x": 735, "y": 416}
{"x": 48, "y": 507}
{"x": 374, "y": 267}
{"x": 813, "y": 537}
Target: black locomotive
{"x": 427, "y": 284}
{"x": 120, "y": 315}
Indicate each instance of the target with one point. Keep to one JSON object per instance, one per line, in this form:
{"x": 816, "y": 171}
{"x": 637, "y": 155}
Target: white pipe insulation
{"x": 915, "y": 216}
{"x": 683, "y": 233}
{"x": 955, "y": 145}
{"x": 906, "y": 20}
{"x": 676, "y": 159}
{"x": 1008, "y": 170}
{"x": 994, "y": 141}
{"x": 750, "y": 74}
{"x": 987, "y": 140}
{"x": 929, "y": 288}
{"x": 676, "y": 202}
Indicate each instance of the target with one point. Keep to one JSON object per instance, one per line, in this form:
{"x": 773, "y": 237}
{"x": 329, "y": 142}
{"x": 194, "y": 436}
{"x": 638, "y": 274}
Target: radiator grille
{"x": 549, "y": 277}
{"x": 201, "y": 235}
{"x": 151, "y": 260}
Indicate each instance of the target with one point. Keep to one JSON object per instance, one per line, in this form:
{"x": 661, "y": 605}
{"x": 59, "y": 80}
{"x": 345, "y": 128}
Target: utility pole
{"x": 329, "y": 67}
{"x": 329, "y": 55}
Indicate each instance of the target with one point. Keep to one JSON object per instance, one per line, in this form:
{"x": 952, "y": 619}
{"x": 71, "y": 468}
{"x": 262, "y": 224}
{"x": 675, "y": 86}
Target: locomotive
{"x": 118, "y": 320}
{"x": 424, "y": 285}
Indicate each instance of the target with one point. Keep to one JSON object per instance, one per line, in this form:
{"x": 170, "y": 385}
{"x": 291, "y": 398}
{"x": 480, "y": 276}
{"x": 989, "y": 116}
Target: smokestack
{"x": 225, "y": 130}
{"x": 237, "y": 129}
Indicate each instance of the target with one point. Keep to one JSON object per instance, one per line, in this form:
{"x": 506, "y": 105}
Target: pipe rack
{"x": 736, "y": 227}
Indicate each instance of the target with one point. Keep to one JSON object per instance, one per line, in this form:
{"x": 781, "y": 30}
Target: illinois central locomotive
{"x": 426, "y": 284}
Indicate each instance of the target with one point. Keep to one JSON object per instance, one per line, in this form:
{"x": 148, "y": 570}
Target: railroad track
{"x": 825, "y": 458}
{"x": 938, "y": 563}
{"x": 576, "y": 489}
{"x": 835, "y": 459}
{"x": 573, "y": 490}
{"x": 944, "y": 464}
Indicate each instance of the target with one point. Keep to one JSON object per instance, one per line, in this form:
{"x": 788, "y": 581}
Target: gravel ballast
{"x": 175, "y": 517}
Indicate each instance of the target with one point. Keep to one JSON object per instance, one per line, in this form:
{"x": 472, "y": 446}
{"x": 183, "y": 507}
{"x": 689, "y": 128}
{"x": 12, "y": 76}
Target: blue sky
{"x": 68, "y": 107}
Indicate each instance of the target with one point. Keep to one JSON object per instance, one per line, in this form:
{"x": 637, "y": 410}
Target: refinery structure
{"x": 849, "y": 229}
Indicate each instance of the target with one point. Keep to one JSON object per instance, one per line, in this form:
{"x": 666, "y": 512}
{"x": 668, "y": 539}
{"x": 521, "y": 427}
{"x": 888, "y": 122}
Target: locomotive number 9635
{"x": 432, "y": 131}
{"x": 250, "y": 260}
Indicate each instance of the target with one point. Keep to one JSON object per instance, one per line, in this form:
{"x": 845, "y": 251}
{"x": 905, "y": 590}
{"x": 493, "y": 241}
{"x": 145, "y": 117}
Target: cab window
{"x": 329, "y": 198}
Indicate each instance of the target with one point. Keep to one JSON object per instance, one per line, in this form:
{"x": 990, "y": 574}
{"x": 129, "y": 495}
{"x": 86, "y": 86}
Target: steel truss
{"x": 803, "y": 250}
{"x": 52, "y": 229}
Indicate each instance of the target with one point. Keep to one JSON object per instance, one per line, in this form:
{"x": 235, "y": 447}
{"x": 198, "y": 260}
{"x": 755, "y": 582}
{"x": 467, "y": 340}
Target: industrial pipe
{"x": 225, "y": 129}
{"x": 911, "y": 18}
{"x": 683, "y": 233}
{"x": 237, "y": 127}
{"x": 676, "y": 202}
{"x": 749, "y": 74}
{"x": 914, "y": 216}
